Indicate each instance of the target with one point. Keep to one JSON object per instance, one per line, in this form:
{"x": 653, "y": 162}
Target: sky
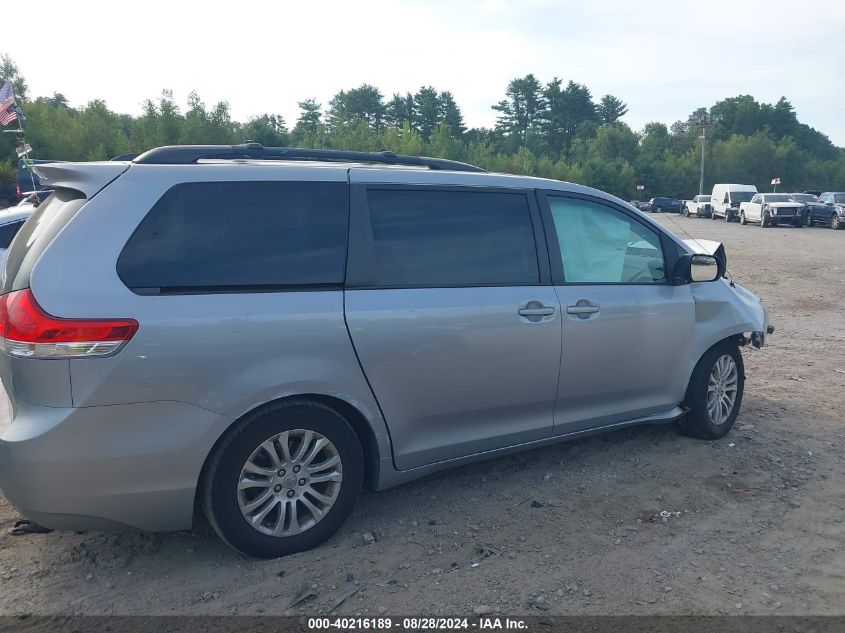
{"x": 663, "y": 58}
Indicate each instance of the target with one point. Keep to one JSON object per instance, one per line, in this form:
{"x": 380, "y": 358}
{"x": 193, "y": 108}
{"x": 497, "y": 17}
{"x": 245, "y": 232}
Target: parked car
{"x": 661, "y": 204}
{"x": 11, "y": 221}
{"x": 699, "y": 206}
{"x": 772, "y": 209}
{"x": 262, "y": 340}
{"x": 809, "y": 201}
{"x": 829, "y": 211}
{"x": 726, "y": 198}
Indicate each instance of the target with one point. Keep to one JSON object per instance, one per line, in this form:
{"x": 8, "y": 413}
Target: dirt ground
{"x": 753, "y": 523}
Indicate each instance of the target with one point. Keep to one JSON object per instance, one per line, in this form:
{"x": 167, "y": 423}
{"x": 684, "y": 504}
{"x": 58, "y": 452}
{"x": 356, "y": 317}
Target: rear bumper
{"x": 123, "y": 466}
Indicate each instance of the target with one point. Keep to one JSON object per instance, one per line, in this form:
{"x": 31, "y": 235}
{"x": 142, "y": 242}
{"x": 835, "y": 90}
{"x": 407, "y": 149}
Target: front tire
{"x": 835, "y": 223}
{"x": 742, "y": 219}
{"x": 766, "y": 220}
{"x": 809, "y": 219}
{"x": 283, "y": 479}
{"x": 714, "y": 394}
{"x": 659, "y": 210}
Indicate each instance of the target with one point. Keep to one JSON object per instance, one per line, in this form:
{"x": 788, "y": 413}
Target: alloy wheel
{"x": 290, "y": 482}
{"x": 722, "y": 389}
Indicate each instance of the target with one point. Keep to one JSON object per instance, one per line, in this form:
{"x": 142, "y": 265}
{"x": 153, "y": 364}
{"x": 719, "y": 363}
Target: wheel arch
{"x": 737, "y": 339}
{"x": 357, "y": 420}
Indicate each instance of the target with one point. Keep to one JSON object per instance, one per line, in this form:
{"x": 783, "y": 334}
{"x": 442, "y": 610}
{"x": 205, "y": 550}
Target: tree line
{"x": 554, "y": 129}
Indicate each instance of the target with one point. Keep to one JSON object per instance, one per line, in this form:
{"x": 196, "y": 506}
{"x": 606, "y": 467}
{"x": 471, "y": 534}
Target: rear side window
{"x": 452, "y": 238}
{"x": 234, "y": 235}
{"x": 36, "y": 234}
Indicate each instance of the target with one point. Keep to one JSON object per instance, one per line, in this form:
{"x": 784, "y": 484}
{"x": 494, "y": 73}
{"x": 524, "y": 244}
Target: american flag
{"x": 7, "y": 97}
{"x": 14, "y": 114}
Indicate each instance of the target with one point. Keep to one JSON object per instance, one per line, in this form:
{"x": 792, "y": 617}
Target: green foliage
{"x": 553, "y": 130}
{"x": 610, "y": 109}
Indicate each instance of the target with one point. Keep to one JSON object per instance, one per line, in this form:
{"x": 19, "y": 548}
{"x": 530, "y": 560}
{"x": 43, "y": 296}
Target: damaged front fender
{"x": 724, "y": 310}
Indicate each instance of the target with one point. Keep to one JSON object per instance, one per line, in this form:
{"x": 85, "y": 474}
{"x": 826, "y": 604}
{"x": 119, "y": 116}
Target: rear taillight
{"x": 27, "y": 331}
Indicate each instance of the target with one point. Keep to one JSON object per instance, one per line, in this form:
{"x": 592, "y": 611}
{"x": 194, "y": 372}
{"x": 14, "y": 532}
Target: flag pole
{"x": 21, "y": 135}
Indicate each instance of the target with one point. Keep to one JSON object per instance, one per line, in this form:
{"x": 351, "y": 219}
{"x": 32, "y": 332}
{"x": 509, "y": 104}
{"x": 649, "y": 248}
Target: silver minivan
{"x": 258, "y": 332}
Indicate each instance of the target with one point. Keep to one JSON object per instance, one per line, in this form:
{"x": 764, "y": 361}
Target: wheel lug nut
{"x": 301, "y": 482}
{"x": 291, "y": 493}
{"x": 281, "y": 472}
{"x": 296, "y": 469}
{"x": 277, "y": 488}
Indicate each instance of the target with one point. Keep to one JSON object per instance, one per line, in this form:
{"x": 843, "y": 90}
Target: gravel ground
{"x": 641, "y": 521}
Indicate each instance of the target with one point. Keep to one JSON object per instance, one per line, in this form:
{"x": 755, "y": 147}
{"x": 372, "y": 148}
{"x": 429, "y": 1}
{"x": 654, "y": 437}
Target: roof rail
{"x": 188, "y": 154}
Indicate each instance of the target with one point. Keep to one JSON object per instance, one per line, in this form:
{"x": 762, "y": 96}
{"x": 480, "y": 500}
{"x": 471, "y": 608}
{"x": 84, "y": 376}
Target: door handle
{"x": 582, "y": 309}
{"x": 536, "y": 312}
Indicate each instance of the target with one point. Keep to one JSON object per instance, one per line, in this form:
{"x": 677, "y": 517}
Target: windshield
{"x": 839, "y": 197}
{"x": 803, "y": 197}
{"x": 742, "y": 196}
{"x": 778, "y": 197}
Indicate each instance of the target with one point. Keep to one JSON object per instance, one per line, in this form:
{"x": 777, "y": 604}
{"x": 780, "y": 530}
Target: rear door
{"x": 627, "y": 332}
{"x": 451, "y": 311}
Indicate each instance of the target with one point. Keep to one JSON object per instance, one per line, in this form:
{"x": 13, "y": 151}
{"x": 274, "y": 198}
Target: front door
{"x": 627, "y": 332}
{"x": 453, "y": 317}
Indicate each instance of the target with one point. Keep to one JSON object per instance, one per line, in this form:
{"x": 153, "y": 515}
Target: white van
{"x": 725, "y": 200}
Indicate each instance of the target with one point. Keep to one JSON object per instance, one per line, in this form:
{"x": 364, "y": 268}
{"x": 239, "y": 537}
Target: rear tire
{"x": 718, "y": 377}
{"x": 296, "y": 516}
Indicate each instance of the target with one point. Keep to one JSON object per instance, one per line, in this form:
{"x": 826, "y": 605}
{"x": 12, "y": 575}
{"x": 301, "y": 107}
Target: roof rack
{"x": 189, "y": 154}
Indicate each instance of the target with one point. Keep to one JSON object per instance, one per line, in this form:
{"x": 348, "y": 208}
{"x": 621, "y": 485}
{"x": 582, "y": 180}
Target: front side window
{"x": 218, "y": 235}
{"x": 599, "y": 244}
{"x": 452, "y": 238}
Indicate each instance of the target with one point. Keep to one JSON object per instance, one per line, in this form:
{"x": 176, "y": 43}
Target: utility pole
{"x": 703, "y": 137}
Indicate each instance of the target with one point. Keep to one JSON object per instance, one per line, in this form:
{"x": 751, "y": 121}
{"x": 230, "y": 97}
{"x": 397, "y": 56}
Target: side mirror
{"x": 692, "y": 268}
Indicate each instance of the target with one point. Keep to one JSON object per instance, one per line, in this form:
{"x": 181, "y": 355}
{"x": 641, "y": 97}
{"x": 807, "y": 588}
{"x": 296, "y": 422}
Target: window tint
{"x": 234, "y": 234}
{"x": 452, "y": 238}
{"x": 8, "y": 232}
{"x": 602, "y": 245}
